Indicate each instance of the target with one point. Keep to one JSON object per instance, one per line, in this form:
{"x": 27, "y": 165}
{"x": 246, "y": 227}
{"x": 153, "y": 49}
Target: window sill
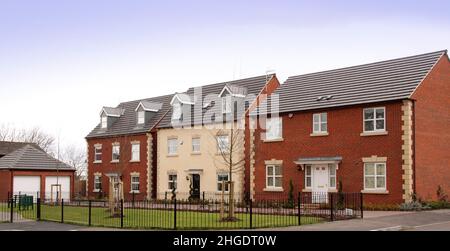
{"x": 368, "y": 134}
{"x": 172, "y": 155}
{"x": 97, "y": 162}
{"x": 273, "y": 190}
{"x": 115, "y": 161}
{"x": 322, "y": 134}
{"x": 96, "y": 191}
{"x": 196, "y": 153}
{"x": 135, "y": 161}
{"x": 375, "y": 191}
{"x": 135, "y": 192}
{"x": 273, "y": 140}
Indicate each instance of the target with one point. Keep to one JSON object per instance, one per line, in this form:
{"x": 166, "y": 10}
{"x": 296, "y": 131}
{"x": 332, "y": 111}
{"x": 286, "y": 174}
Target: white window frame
{"x": 374, "y": 120}
{"x": 332, "y": 176}
{"x": 116, "y": 146}
{"x": 97, "y": 181}
{"x": 219, "y": 182}
{"x": 308, "y": 176}
{"x": 104, "y": 121}
{"x": 320, "y": 122}
{"x": 172, "y": 181}
{"x": 176, "y": 111}
{"x": 138, "y": 183}
{"x": 274, "y": 176}
{"x": 221, "y": 143}
{"x": 172, "y": 146}
{"x": 226, "y": 104}
{"x": 196, "y": 145}
{"x": 271, "y": 124}
{"x": 98, "y": 152}
{"x": 376, "y": 176}
{"x": 141, "y": 117}
{"x": 135, "y": 153}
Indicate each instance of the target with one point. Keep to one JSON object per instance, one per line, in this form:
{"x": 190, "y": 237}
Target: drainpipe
{"x": 414, "y": 144}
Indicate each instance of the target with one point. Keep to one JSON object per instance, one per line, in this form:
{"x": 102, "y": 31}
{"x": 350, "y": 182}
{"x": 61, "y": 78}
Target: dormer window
{"x": 176, "y": 114}
{"x": 141, "y": 117}
{"x": 104, "y": 121}
{"x": 226, "y": 104}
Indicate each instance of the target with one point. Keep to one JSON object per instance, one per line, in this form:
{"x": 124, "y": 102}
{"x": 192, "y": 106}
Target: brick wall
{"x": 432, "y": 124}
{"x": 344, "y": 126}
{"x": 124, "y": 166}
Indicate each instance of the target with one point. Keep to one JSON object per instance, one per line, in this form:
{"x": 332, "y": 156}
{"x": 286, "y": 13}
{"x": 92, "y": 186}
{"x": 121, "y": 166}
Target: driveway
{"x": 438, "y": 220}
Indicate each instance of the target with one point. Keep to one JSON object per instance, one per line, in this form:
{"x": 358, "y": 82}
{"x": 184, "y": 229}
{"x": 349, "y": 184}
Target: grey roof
{"x": 151, "y": 106}
{"x": 31, "y": 157}
{"x": 127, "y": 123}
{"x": 382, "y": 81}
{"x": 252, "y": 85}
{"x": 7, "y": 147}
{"x": 115, "y": 112}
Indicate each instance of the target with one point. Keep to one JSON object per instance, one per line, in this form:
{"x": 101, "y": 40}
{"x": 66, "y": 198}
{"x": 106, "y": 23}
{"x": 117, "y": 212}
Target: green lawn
{"x": 161, "y": 219}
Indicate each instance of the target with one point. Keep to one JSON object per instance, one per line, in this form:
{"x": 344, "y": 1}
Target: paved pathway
{"x": 385, "y": 221}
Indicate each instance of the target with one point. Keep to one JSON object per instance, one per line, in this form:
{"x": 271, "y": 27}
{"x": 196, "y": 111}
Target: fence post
{"x": 203, "y": 202}
{"x": 121, "y": 213}
{"x": 133, "y": 194}
{"x": 361, "y": 204}
{"x": 175, "y": 214}
{"x": 38, "y": 209}
{"x": 11, "y": 217}
{"x": 90, "y": 213}
{"x": 251, "y": 212}
{"x": 331, "y": 207}
{"x": 62, "y": 210}
{"x": 298, "y": 206}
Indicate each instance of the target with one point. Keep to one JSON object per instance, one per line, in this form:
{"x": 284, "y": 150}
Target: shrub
{"x": 413, "y": 206}
{"x": 381, "y": 207}
{"x": 442, "y": 196}
{"x": 438, "y": 204}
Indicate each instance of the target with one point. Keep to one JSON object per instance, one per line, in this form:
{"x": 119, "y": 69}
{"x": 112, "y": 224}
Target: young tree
{"x": 230, "y": 144}
{"x": 76, "y": 157}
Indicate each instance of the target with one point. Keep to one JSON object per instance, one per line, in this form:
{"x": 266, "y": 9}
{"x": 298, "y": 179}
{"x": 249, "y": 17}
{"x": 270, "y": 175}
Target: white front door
{"x": 320, "y": 183}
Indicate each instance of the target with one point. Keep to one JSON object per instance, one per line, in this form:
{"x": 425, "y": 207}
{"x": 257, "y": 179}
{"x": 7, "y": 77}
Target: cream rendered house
{"x": 193, "y": 137}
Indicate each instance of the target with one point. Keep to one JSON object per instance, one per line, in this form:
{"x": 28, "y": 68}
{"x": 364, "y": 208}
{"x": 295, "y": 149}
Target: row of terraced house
{"x": 381, "y": 129}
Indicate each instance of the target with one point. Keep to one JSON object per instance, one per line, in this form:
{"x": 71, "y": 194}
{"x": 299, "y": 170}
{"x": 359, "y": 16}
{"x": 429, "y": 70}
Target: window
{"x": 320, "y": 123}
{"x": 141, "y": 117}
{"x": 374, "y": 119}
{"x": 172, "y": 181}
{"x": 274, "y": 177}
{"x": 274, "y": 129}
{"x": 135, "y": 184}
{"x": 176, "y": 114}
{"x": 172, "y": 146}
{"x": 196, "y": 145}
{"x": 116, "y": 153}
{"x": 332, "y": 175}
{"x": 98, "y": 154}
{"x": 97, "y": 183}
{"x": 226, "y": 104}
{"x": 104, "y": 121}
{"x": 135, "y": 151}
{"x": 220, "y": 178}
{"x": 308, "y": 176}
{"x": 375, "y": 176}
{"x": 223, "y": 144}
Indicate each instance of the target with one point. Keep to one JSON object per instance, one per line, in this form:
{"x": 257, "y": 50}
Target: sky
{"x": 62, "y": 61}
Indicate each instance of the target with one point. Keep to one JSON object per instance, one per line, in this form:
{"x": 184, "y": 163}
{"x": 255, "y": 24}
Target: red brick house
{"x": 380, "y": 129}
{"x": 122, "y": 148}
{"x": 26, "y": 169}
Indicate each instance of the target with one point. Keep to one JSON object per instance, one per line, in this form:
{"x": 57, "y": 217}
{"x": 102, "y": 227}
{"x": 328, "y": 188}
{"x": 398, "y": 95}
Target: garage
{"x": 30, "y": 185}
{"x": 55, "y": 185}
{"x": 27, "y": 169}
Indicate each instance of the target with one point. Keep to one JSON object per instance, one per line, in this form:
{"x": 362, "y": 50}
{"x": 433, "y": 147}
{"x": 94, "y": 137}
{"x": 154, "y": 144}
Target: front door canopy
{"x": 318, "y": 160}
